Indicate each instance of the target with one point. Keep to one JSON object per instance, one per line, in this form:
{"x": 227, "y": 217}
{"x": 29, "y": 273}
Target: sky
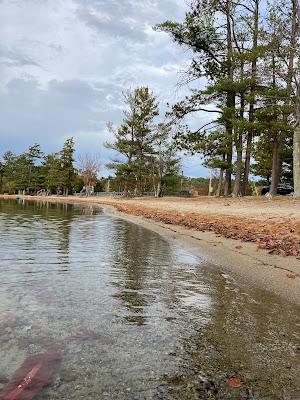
{"x": 64, "y": 65}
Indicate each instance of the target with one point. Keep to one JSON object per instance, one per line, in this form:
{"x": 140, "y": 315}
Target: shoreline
{"x": 271, "y": 272}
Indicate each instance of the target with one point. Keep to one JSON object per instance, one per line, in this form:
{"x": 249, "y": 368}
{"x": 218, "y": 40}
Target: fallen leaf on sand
{"x": 234, "y": 382}
{"x": 291, "y": 276}
{"x": 238, "y": 247}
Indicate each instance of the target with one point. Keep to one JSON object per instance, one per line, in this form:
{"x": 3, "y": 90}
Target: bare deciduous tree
{"x": 89, "y": 169}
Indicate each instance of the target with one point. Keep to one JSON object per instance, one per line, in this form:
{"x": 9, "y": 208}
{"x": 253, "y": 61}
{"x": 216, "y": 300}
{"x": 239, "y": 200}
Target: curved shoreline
{"x": 279, "y": 275}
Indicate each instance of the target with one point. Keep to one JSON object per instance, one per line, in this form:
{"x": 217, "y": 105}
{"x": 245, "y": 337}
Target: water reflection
{"x": 137, "y": 262}
{"x": 136, "y": 317}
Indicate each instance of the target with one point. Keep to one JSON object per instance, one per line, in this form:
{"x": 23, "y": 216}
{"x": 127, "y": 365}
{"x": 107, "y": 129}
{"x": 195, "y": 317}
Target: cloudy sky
{"x": 65, "y": 63}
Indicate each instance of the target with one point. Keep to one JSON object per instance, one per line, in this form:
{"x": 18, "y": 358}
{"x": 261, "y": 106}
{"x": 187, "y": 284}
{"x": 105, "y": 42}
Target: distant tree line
{"x": 33, "y": 171}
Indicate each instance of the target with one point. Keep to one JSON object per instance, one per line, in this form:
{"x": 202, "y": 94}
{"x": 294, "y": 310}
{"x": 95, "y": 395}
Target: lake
{"x": 134, "y": 316}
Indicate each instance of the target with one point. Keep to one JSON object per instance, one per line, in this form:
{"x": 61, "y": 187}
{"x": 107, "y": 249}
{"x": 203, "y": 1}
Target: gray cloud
{"x": 127, "y": 19}
{"x": 64, "y": 108}
{"x": 108, "y": 25}
{"x": 65, "y": 64}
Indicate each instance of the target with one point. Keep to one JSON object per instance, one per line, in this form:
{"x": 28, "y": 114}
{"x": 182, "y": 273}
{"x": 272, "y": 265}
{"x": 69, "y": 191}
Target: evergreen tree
{"x": 262, "y": 155}
{"x": 210, "y": 32}
{"x": 2, "y": 174}
{"x": 54, "y": 175}
{"x": 164, "y": 160}
{"x": 34, "y": 178}
{"x": 67, "y": 167}
{"x": 134, "y": 138}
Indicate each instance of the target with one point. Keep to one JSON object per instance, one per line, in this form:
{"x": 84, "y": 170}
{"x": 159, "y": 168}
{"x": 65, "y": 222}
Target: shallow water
{"x": 135, "y": 316}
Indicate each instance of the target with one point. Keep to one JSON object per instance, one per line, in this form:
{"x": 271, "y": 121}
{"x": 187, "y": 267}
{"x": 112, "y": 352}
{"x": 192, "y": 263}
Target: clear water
{"x": 135, "y": 316}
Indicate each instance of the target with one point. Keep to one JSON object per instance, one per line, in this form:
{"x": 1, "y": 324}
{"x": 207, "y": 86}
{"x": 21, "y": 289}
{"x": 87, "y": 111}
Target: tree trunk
{"x": 230, "y": 104}
{"x": 296, "y": 156}
{"x": 296, "y": 138}
{"x": 248, "y": 151}
{"x": 276, "y": 166}
{"x": 210, "y": 187}
{"x": 296, "y": 150}
{"x": 160, "y": 189}
{"x": 220, "y": 183}
{"x": 252, "y": 97}
{"x": 277, "y": 141}
{"x": 227, "y": 186}
{"x": 156, "y": 187}
{"x": 239, "y": 163}
{"x": 239, "y": 143}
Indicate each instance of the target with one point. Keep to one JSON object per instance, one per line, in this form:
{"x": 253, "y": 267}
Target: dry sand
{"x": 240, "y": 217}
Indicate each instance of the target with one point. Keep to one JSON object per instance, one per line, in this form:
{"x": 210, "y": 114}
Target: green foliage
{"x": 198, "y": 33}
{"x": 53, "y": 167}
{"x": 262, "y": 154}
{"x": 172, "y": 184}
{"x": 67, "y": 167}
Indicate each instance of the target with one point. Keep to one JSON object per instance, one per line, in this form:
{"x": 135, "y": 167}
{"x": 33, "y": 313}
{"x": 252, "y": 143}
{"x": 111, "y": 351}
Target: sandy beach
{"x": 254, "y": 238}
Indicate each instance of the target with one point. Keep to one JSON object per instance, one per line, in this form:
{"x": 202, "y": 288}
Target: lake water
{"x": 136, "y": 317}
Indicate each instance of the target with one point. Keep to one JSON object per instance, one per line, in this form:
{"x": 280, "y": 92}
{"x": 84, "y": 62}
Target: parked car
{"x": 186, "y": 193}
{"x": 282, "y": 189}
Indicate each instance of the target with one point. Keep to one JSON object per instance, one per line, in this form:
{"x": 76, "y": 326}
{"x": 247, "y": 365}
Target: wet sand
{"x": 275, "y": 273}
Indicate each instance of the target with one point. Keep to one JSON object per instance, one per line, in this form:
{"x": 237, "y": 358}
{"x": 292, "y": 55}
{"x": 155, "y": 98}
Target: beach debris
{"x": 234, "y": 382}
{"x": 291, "y": 276}
{"x": 33, "y": 375}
